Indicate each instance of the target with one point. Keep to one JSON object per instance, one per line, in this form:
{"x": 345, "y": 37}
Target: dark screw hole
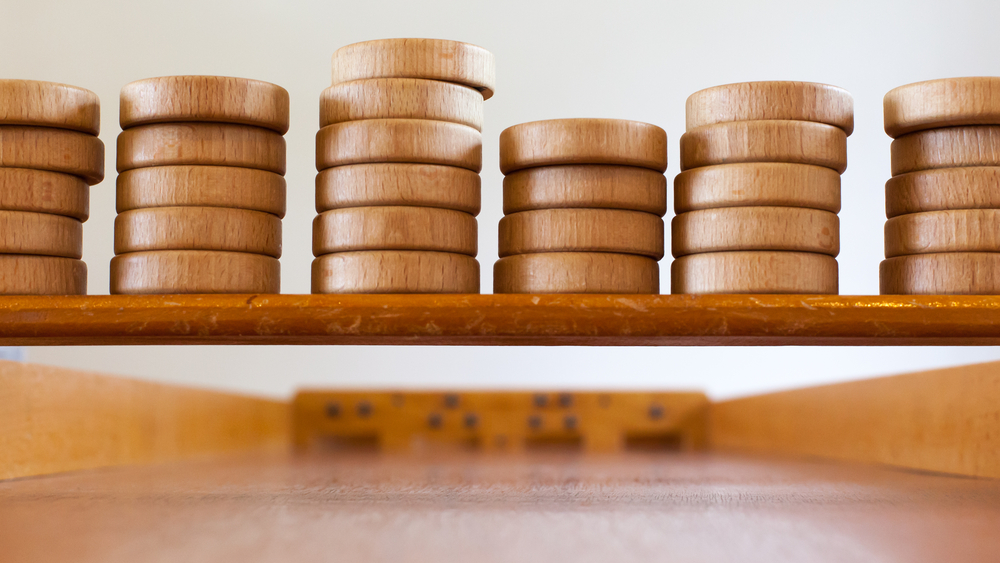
{"x": 569, "y": 422}
{"x": 534, "y": 422}
{"x": 541, "y": 401}
{"x": 656, "y": 412}
{"x": 333, "y": 410}
{"x": 364, "y": 409}
{"x": 565, "y": 400}
{"x": 471, "y": 420}
{"x": 434, "y": 421}
{"x": 451, "y": 401}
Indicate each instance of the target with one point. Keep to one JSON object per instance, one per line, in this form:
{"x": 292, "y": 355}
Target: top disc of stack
{"x": 48, "y": 104}
{"x": 778, "y": 100}
{"x": 434, "y": 59}
{"x": 948, "y": 102}
{"x": 217, "y": 99}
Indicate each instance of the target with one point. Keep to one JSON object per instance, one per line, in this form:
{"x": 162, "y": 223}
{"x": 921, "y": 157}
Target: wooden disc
{"x": 576, "y": 272}
{"x": 959, "y": 230}
{"x": 750, "y": 184}
{"x": 210, "y": 144}
{"x": 218, "y": 99}
{"x": 398, "y": 184}
{"x": 756, "y": 228}
{"x": 949, "y": 273}
{"x": 434, "y": 59}
{"x": 198, "y": 228}
{"x": 946, "y": 102}
{"x": 48, "y": 104}
{"x": 42, "y": 234}
{"x": 754, "y": 272}
{"x": 973, "y": 187}
{"x": 586, "y": 185}
{"x": 395, "y": 228}
{"x": 582, "y": 230}
{"x": 951, "y": 147}
{"x": 194, "y": 271}
{"x": 416, "y": 141}
{"x": 42, "y": 275}
{"x": 55, "y": 150}
{"x": 583, "y": 141}
{"x": 777, "y": 100}
{"x": 201, "y": 186}
{"x": 796, "y": 142}
{"x": 395, "y": 271}
{"x": 401, "y": 98}
{"x": 40, "y": 191}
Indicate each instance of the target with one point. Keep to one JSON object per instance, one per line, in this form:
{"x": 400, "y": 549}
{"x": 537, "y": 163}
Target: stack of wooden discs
{"x": 943, "y": 200}
{"x": 759, "y": 192}
{"x": 49, "y": 157}
{"x": 583, "y": 207}
{"x": 399, "y": 154}
{"x": 201, "y": 189}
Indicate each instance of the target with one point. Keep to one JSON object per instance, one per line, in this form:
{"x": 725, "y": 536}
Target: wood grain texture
{"x": 395, "y": 271}
{"x": 946, "y": 102}
{"x": 54, "y": 150}
{"x": 962, "y": 230}
{"x": 49, "y": 104}
{"x": 416, "y": 141}
{"x": 583, "y": 141}
{"x": 576, "y": 272}
{"x": 973, "y": 187}
{"x": 203, "y": 144}
{"x": 795, "y": 142}
{"x": 585, "y": 185}
{"x": 581, "y": 230}
{"x": 395, "y": 228}
{"x": 194, "y": 271}
{"x": 775, "y": 184}
{"x": 949, "y": 147}
{"x": 776, "y": 100}
{"x": 42, "y": 234}
{"x": 395, "y": 184}
{"x": 434, "y": 59}
{"x": 198, "y": 228}
{"x": 201, "y": 186}
{"x": 42, "y": 275}
{"x": 755, "y": 272}
{"x": 755, "y": 228}
{"x": 948, "y": 273}
{"x": 215, "y": 99}
{"x": 40, "y": 191}
{"x": 401, "y": 98}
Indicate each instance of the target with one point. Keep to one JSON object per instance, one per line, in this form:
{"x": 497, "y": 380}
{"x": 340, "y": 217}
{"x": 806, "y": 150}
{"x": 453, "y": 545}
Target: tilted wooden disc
{"x": 950, "y": 147}
{"x": 55, "y": 150}
{"x": 751, "y": 184}
{"x": 973, "y": 187}
{"x": 205, "y": 144}
{"x": 416, "y": 141}
{"x": 586, "y": 185}
{"x": 582, "y": 230}
{"x": 201, "y": 186}
{"x": 948, "y": 273}
{"x": 194, "y": 271}
{"x": 218, "y": 99}
{"x": 777, "y": 100}
{"x": 401, "y": 98}
{"x": 42, "y": 234}
{"x": 434, "y": 59}
{"x": 42, "y": 275}
{"x": 946, "y": 102}
{"x": 755, "y": 272}
{"x": 576, "y": 272}
{"x": 49, "y": 104}
{"x": 756, "y": 228}
{"x": 198, "y": 228}
{"x": 395, "y": 271}
{"x": 395, "y": 228}
{"x": 959, "y": 230}
{"x": 583, "y": 141}
{"x": 39, "y": 191}
{"x": 796, "y": 142}
{"x": 398, "y": 184}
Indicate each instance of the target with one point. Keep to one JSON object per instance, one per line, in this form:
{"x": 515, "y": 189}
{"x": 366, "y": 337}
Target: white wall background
{"x": 569, "y": 58}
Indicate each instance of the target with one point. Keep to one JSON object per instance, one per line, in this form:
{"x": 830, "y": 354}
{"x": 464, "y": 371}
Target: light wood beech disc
{"x": 586, "y": 185}
{"x": 434, "y": 59}
{"x": 948, "y": 273}
{"x": 201, "y": 186}
{"x": 951, "y": 147}
{"x": 55, "y": 150}
{"x": 42, "y": 275}
{"x": 576, "y": 272}
{"x": 206, "y": 144}
{"x": 582, "y": 230}
{"x": 198, "y": 228}
{"x": 395, "y": 271}
{"x": 416, "y": 141}
{"x": 42, "y": 234}
{"x": 777, "y": 100}
{"x": 401, "y": 98}
{"x": 583, "y": 141}
{"x": 48, "y": 104}
{"x": 40, "y": 191}
{"x": 398, "y": 184}
{"x": 973, "y": 187}
{"x": 395, "y": 228}
{"x": 796, "y": 142}
{"x": 755, "y": 272}
{"x": 775, "y": 184}
{"x": 756, "y": 228}
{"x": 960, "y": 230}
{"x": 946, "y": 102}
{"x": 194, "y": 271}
